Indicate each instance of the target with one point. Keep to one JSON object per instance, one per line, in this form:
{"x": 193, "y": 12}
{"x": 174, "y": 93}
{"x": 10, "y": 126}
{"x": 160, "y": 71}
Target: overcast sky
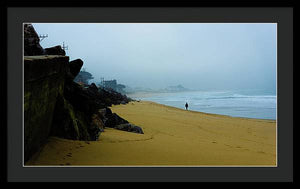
{"x": 197, "y": 56}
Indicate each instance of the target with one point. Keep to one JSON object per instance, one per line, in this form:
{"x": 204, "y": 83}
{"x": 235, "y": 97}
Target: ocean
{"x": 239, "y": 103}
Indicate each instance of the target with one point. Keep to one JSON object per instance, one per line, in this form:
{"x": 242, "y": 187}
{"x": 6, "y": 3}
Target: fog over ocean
{"x": 236, "y": 103}
{"x": 206, "y": 56}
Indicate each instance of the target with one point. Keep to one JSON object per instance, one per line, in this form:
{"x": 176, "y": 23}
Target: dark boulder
{"x": 137, "y": 129}
{"x": 67, "y": 123}
{"x": 82, "y": 99}
{"x": 97, "y": 123}
{"x": 93, "y": 89}
{"x": 112, "y": 97}
{"x": 113, "y": 120}
{"x": 75, "y": 66}
{"x": 32, "y": 45}
{"x": 130, "y": 128}
{"x": 56, "y": 50}
{"x": 104, "y": 112}
{"x": 108, "y": 111}
{"x": 72, "y": 124}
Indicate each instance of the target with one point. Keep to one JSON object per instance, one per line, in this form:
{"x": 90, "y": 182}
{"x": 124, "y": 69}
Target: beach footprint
{"x": 261, "y": 152}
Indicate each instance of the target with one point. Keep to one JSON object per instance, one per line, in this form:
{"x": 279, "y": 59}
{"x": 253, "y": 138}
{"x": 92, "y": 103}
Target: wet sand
{"x": 173, "y": 137}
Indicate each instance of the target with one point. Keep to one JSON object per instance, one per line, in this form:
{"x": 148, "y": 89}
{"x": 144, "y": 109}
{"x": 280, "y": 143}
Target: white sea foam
{"x": 245, "y": 104}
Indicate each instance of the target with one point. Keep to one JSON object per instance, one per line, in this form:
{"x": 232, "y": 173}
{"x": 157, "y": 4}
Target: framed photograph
{"x": 150, "y": 94}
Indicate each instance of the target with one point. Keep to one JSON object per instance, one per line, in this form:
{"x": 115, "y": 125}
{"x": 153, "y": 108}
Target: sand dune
{"x": 173, "y": 137}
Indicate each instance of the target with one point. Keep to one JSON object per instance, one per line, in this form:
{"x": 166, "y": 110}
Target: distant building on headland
{"x": 177, "y": 88}
{"x": 112, "y": 84}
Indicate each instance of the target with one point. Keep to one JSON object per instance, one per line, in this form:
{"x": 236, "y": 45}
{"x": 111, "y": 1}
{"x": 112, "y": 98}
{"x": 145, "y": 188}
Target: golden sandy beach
{"x": 173, "y": 137}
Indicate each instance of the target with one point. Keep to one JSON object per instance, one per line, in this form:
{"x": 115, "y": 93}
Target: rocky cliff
{"x": 43, "y": 82}
{"x": 56, "y": 105}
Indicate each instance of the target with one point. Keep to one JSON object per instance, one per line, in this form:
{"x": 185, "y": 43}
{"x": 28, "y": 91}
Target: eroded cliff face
{"x": 56, "y": 105}
{"x": 43, "y": 82}
{"x": 47, "y": 108}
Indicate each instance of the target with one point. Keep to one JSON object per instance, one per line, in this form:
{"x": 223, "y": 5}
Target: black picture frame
{"x": 280, "y": 14}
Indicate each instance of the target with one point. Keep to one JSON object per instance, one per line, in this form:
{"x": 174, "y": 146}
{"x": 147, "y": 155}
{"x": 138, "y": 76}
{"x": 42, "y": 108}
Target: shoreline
{"x": 206, "y": 113}
{"x": 173, "y": 137}
{"x": 138, "y": 96}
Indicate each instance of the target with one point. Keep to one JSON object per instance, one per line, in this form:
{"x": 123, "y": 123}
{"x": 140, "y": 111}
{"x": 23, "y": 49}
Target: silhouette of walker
{"x": 186, "y": 105}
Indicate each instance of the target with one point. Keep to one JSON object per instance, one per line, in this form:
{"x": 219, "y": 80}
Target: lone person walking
{"x": 186, "y": 105}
